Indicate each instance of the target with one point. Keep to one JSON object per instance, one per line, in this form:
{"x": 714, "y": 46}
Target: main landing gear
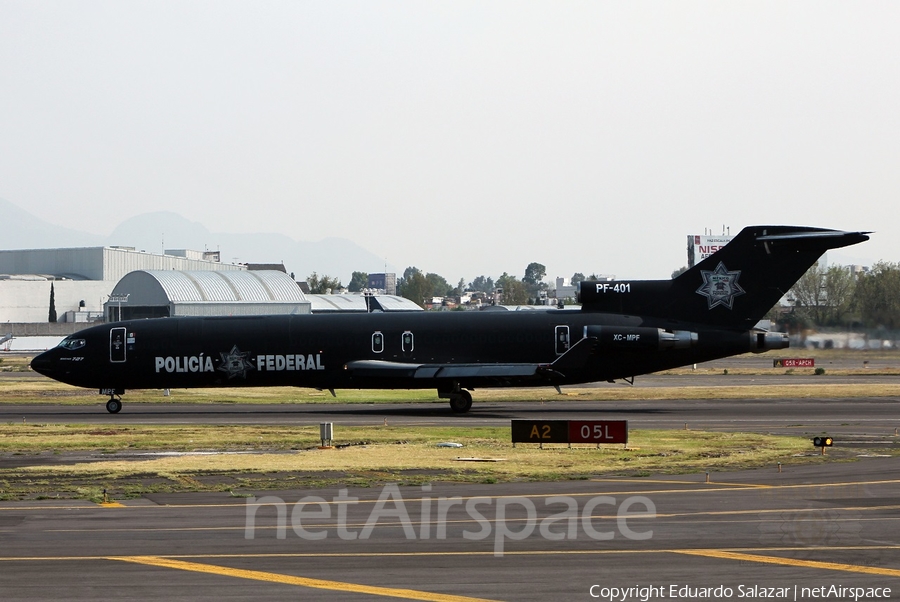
{"x": 460, "y": 399}
{"x": 115, "y": 402}
{"x": 461, "y": 402}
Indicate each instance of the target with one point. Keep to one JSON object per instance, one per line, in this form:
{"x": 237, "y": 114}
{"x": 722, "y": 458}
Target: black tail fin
{"x": 733, "y": 287}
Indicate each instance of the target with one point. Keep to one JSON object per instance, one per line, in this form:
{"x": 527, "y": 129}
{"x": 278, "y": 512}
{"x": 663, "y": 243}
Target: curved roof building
{"x": 164, "y": 293}
{"x": 160, "y": 293}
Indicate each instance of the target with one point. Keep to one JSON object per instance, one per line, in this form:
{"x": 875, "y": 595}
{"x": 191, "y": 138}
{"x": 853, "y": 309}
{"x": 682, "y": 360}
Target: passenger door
{"x": 117, "y": 352}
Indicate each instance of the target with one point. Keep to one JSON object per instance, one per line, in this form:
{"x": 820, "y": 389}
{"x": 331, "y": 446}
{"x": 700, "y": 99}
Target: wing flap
{"x": 458, "y": 371}
{"x": 384, "y": 369}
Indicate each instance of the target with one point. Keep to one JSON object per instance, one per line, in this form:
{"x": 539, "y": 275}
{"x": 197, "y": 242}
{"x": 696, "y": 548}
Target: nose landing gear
{"x": 114, "y": 405}
{"x": 115, "y": 399}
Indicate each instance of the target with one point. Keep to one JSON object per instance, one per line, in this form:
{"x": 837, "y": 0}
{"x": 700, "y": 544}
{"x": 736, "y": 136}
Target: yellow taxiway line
{"x": 174, "y": 562}
{"x": 339, "y": 586}
{"x": 793, "y": 562}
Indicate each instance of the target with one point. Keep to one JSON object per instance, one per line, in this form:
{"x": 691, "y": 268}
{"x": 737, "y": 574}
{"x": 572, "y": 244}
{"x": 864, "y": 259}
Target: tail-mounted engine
{"x": 640, "y": 338}
{"x": 761, "y": 340}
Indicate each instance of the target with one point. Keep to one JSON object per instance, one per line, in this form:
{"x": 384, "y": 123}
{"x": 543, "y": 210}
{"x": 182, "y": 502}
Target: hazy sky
{"x": 464, "y": 138}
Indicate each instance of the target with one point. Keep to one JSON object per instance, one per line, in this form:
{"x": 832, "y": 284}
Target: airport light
{"x": 823, "y": 442}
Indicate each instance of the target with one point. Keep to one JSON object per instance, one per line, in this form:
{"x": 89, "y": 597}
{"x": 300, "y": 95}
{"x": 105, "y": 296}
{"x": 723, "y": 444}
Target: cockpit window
{"x": 73, "y": 344}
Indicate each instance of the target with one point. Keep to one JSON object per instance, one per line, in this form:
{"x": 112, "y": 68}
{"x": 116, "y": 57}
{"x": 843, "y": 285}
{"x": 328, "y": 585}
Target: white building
{"x": 82, "y": 278}
{"x": 165, "y": 293}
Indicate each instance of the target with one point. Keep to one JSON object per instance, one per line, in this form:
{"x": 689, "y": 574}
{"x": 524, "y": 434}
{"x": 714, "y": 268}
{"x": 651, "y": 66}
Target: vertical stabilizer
{"x": 733, "y": 287}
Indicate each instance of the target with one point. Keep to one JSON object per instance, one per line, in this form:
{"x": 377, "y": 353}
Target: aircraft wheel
{"x": 113, "y": 406}
{"x": 461, "y": 402}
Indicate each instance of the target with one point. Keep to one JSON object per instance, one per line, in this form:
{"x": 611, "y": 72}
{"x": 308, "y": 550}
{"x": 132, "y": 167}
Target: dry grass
{"x": 35, "y": 438}
{"x": 390, "y": 452}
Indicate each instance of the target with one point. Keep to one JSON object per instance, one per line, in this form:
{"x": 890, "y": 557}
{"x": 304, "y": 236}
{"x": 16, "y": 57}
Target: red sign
{"x": 598, "y": 431}
{"x": 795, "y": 363}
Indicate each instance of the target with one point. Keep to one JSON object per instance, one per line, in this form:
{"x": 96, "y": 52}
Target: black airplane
{"x": 623, "y": 329}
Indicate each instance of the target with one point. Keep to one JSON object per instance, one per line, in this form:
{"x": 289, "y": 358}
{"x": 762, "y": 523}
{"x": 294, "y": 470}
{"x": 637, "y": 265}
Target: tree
{"x": 438, "y": 284}
{"x": 823, "y": 295}
{"x": 418, "y": 287}
{"x": 576, "y": 278}
{"x": 358, "y": 281}
{"x": 322, "y": 285}
{"x": 514, "y": 290}
{"x": 485, "y": 285}
{"x": 840, "y": 284}
{"x": 809, "y": 295}
{"x": 534, "y": 273}
{"x": 679, "y": 271}
{"x": 534, "y": 280}
{"x": 414, "y": 286}
{"x": 408, "y": 273}
{"x": 52, "y": 314}
{"x": 877, "y": 296}
{"x": 460, "y": 287}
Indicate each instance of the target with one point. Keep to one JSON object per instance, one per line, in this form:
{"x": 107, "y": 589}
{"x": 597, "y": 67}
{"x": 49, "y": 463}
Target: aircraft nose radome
{"x": 42, "y": 364}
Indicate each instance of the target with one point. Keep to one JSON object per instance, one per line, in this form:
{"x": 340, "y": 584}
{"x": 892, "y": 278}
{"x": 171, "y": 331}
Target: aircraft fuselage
{"x": 319, "y": 351}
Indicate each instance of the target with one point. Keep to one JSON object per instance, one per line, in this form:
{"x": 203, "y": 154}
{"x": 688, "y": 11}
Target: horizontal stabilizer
{"x": 834, "y": 238}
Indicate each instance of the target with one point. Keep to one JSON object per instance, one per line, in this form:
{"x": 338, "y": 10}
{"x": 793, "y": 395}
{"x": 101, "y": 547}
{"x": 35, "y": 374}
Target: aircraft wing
{"x": 574, "y": 358}
{"x": 385, "y": 369}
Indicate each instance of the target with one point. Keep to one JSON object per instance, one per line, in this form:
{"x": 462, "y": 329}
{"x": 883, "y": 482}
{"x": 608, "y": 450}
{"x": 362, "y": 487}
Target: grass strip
{"x": 29, "y": 391}
{"x": 288, "y": 458}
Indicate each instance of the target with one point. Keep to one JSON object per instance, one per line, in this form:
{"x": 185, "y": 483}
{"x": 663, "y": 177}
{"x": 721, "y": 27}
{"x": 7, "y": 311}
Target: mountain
{"x": 154, "y": 232}
{"x": 21, "y": 230}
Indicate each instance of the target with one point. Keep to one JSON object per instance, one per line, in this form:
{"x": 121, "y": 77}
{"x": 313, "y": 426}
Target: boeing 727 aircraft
{"x": 623, "y": 329}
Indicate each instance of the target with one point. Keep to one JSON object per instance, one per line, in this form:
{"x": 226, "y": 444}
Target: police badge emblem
{"x": 235, "y": 363}
{"x": 720, "y": 286}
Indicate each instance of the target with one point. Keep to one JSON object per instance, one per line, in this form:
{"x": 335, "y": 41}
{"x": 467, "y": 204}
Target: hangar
{"x": 164, "y": 293}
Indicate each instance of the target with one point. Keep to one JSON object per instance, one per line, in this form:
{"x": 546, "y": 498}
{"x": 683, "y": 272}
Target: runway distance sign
{"x": 569, "y": 431}
{"x": 797, "y": 362}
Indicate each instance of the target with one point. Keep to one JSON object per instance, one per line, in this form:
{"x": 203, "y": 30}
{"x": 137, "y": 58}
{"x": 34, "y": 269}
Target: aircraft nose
{"x": 43, "y": 364}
